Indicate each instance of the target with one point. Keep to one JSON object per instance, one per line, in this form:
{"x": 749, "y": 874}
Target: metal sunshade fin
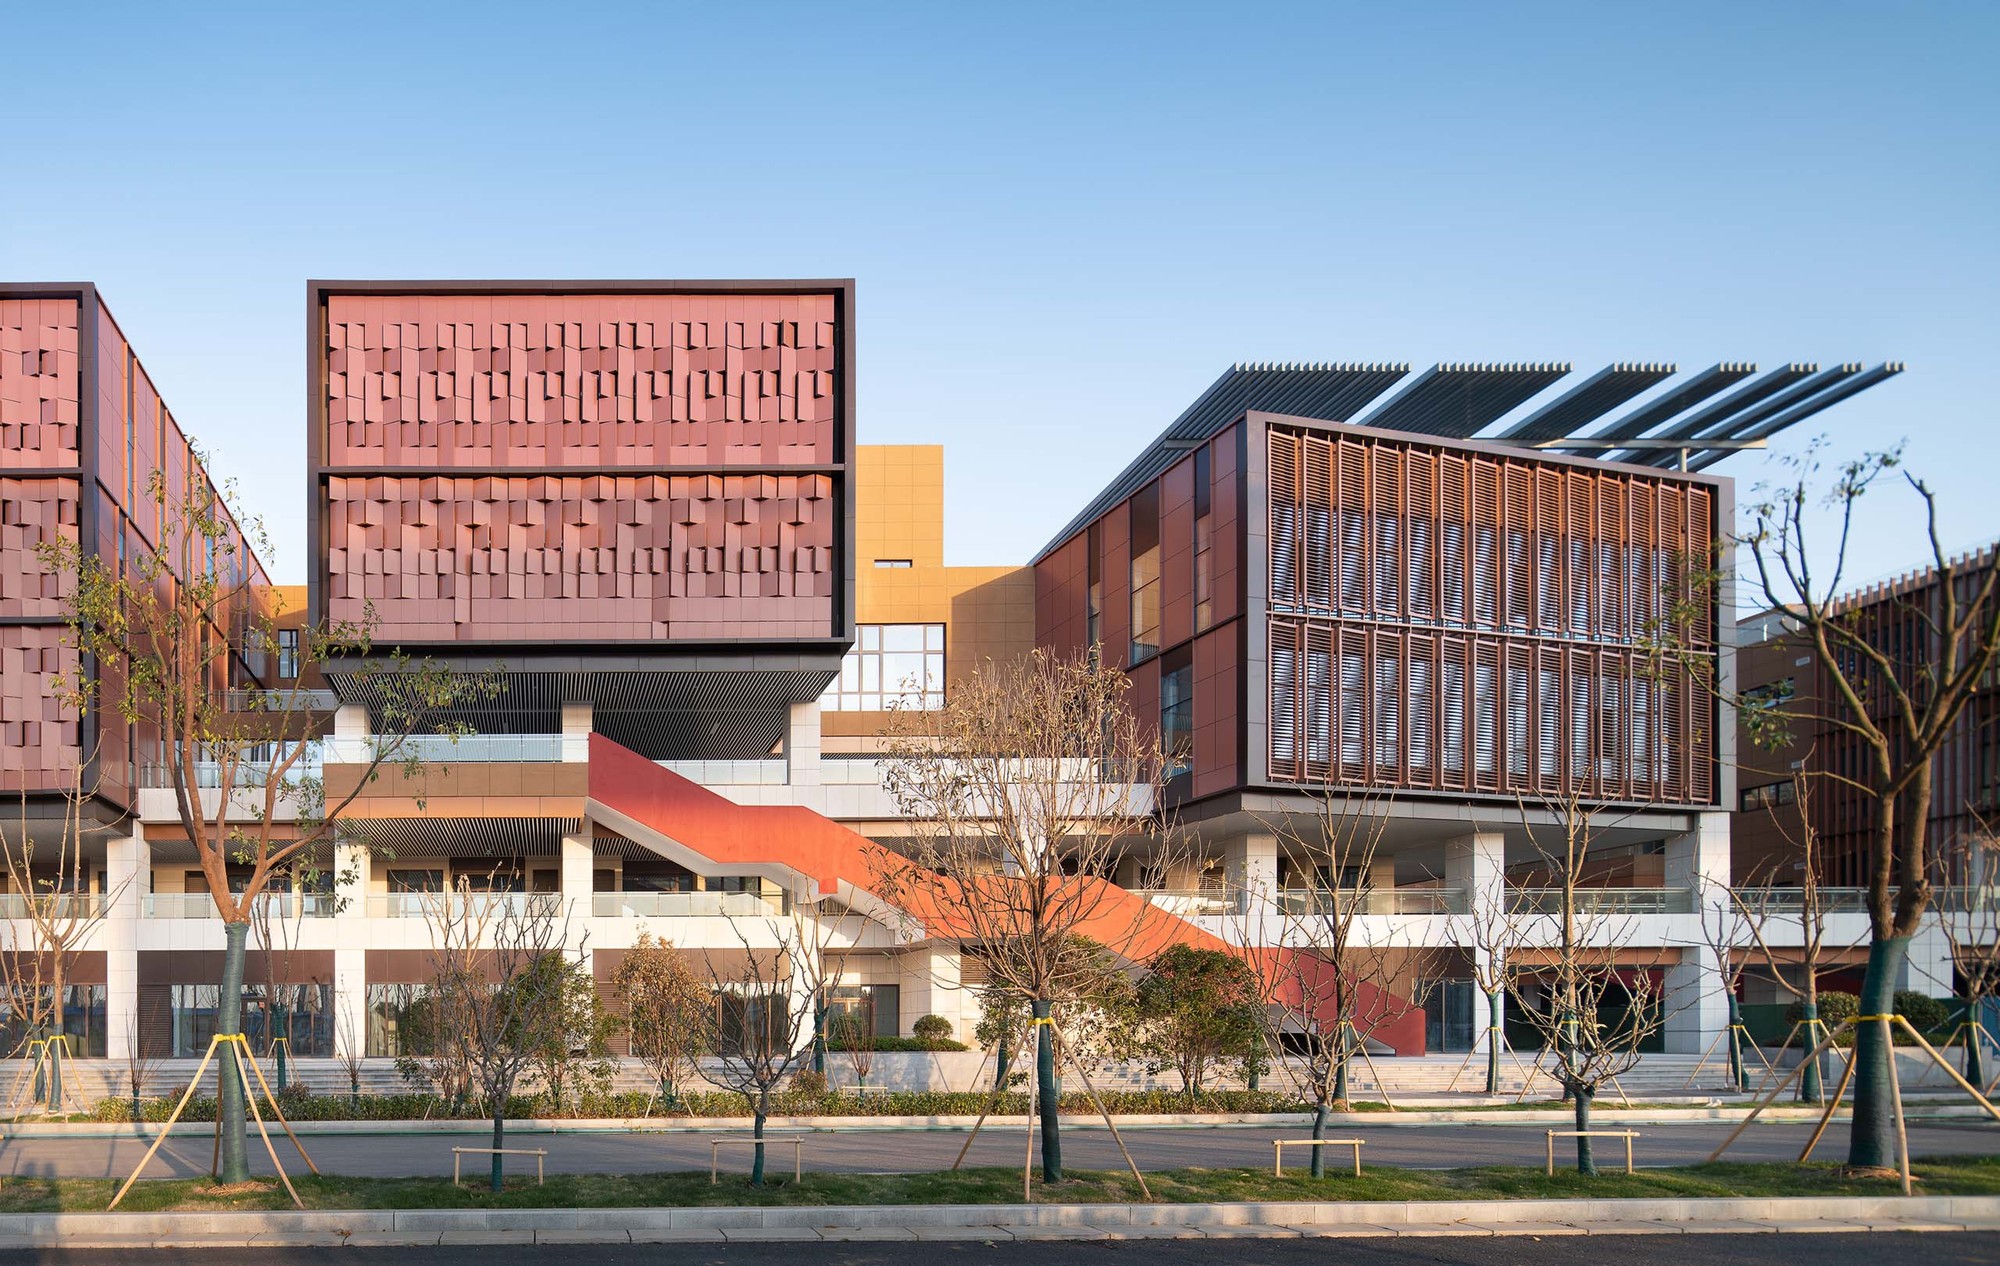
{"x": 1730, "y": 428}
{"x": 1680, "y": 398}
{"x": 1328, "y": 390}
{"x": 1588, "y": 401}
{"x": 1458, "y": 400}
{"x": 1806, "y": 408}
{"x": 1735, "y": 402}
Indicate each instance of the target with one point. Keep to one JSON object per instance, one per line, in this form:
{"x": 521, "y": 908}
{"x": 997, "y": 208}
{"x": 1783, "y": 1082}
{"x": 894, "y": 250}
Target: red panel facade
{"x": 542, "y": 467}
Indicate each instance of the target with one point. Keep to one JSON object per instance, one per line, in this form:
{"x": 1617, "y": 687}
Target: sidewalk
{"x": 1002, "y": 1222}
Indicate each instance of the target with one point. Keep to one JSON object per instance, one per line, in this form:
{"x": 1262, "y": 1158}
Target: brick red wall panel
{"x": 580, "y": 380}
{"x": 39, "y": 406}
{"x": 583, "y": 557}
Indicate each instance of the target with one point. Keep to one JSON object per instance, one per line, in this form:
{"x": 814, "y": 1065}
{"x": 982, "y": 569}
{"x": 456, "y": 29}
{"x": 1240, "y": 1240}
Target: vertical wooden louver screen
{"x": 1468, "y": 622}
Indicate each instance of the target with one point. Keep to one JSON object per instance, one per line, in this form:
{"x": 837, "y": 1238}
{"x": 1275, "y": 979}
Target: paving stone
{"x": 767, "y": 1234}
{"x": 1347, "y": 1231}
{"x": 993, "y": 1234}
{"x": 1061, "y": 1233}
{"x": 1814, "y": 1226}
{"x": 486, "y": 1237}
{"x": 858, "y": 1233}
{"x": 1727, "y": 1226}
{"x": 605, "y": 1236}
{"x": 677, "y": 1235}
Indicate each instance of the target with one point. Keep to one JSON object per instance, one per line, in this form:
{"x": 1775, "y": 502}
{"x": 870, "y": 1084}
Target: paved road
{"x": 400, "y": 1155}
{"x": 1972, "y": 1248}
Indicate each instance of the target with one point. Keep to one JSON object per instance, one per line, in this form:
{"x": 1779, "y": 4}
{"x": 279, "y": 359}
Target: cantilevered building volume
{"x": 643, "y": 504}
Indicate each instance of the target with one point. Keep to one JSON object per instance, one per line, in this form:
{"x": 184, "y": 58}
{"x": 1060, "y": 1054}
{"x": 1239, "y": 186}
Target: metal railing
{"x": 1944, "y": 900}
{"x": 444, "y": 749}
{"x": 1322, "y": 901}
{"x": 274, "y": 905}
{"x": 1190, "y": 902}
{"x": 280, "y": 699}
{"x": 1602, "y": 900}
{"x": 59, "y": 906}
{"x": 253, "y": 770}
{"x": 685, "y": 905}
{"x": 426, "y": 905}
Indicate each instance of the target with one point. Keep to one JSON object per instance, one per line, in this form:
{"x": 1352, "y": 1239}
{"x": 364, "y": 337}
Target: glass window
{"x": 1145, "y": 572}
{"x": 890, "y": 666}
{"x": 82, "y": 1019}
{"x": 877, "y": 1008}
{"x": 396, "y": 1020}
{"x": 1093, "y": 633}
{"x": 288, "y": 654}
{"x": 892, "y": 562}
{"x": 1204, "y": 539}
{"x": 1768, "y": 796}
{"x": 1177, "y": 712}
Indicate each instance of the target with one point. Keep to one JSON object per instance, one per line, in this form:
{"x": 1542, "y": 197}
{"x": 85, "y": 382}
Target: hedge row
{"x": 416, "y": 1107}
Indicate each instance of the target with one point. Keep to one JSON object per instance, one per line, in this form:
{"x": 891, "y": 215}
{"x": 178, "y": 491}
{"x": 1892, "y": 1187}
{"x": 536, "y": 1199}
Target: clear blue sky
{"x": 1064, "y": 220}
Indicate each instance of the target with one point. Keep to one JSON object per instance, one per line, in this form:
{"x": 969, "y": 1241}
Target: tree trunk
{"x": 1045, "y": 1076}
{"x": 499, "y": 1135}
{"x": 1001, "y": 1057}
{"x": 1872, "y": 1144}
{"x": 1340, "y": 1079}
{"x": 56, "y": 1048}
{"x": 1493, "y": 1043}
{"x": 819, "y": 1037}
{"x": 1737, "y": 1076}
{"x": 1975, "y": 1059}
{"x": 235, "y": 1139}
{"x": 1320, "y": 1113}
{"x": 1582, "y": 1097}
{"x": 1811, "y": 1090}
{"x": 762, "y": 1110}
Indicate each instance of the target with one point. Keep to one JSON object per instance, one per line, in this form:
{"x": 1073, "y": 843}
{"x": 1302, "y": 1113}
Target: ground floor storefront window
{"x": 82, "y": 1021}
{"x": 302, "y": 1014}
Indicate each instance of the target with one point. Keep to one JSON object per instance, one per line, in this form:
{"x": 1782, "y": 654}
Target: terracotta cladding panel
{"x": 1177, "y": 553}
{"x": 587, "y": 557}
{"x": 40, "y": 409}
{"x": 1217, "y": 685}
{"x": 38, "y": 740}
{"x": 33, "y": 512}
{"x": 581, "y": 380}
{"x": 1473, "y": 622}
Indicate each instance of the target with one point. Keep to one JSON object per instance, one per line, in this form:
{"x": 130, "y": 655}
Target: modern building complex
{"x": 643, "y": 509}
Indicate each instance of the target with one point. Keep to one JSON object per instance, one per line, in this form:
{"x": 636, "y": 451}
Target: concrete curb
{"x": 1408, "y": 1119}
{"x": 1002, "y": 1222}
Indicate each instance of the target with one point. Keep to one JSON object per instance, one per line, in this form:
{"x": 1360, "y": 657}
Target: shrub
{"x": 1927, "y": 1015}
{"x": 836, "y": 1041}
{"x": 933, "y": 1029}
{"x": 808, "y": 1084}
{"x": 1834, "y": 1006}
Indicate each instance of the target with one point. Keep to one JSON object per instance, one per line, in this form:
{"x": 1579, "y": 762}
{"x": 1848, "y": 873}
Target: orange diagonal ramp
{"x": 830, "y": 855}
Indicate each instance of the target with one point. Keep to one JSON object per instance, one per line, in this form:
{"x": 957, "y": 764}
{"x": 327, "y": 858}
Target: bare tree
{"x": 492, "y": 983}
{"x": 669, "y": 1013}
{"x": 178, "y": 629}
{"x": 1768, "y": 898}
{"x": 1490, "y": 927}
{"x": 1899, "y": 668}
{"x": 1021, "y": 796}
{"x": 1563, "y": 989}
{"x": 139, "y": 1068}
{"x": 350, "y": 1049}
{"x": 1341, "y": 983}
{"x": 766, "y": 1000}
{"x": 48, "y": 884}
{"x": 1972, "y": 925}
{"x": 1725, "y": 926}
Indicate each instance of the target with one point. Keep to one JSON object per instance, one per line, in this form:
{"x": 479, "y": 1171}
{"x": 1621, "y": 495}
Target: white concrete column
{"x": 578, "y": 863}
{"x": 353, "y": 870}
{"x": 351, "y": 732}
{"x": 1927, "y": 968}
{"x": 350, "y": 997}
{"x": 1475, "y": 869}
{"x": 128, "y": 878}
{"x": 576, "y": 727}
{"x": 1250, "y": 868}
{"x": 804, "y": 973}
{"x": 802, "y": 745}
{"x": 1697, "y": 1002}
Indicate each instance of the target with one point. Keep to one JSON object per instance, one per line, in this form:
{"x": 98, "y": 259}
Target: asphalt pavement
{"x": 1972, "y": 1248}
{"x": 888, "y": 1151}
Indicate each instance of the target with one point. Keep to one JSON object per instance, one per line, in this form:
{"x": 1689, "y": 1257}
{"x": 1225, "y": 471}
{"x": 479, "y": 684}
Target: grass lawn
{"x": 1952, "y": 1176}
